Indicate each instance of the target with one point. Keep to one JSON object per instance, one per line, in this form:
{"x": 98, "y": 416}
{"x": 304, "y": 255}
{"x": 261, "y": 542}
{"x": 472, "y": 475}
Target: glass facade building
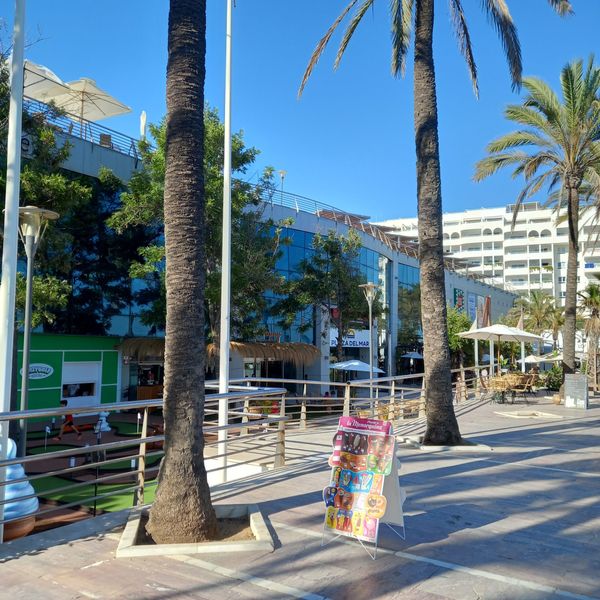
{"x": 298, "y": 246}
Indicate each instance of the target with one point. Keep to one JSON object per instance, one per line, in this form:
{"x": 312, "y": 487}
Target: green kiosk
{"x": 83, "y": 369}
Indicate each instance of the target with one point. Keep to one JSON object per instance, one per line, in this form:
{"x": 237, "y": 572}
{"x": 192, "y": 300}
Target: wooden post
{"x": 142, "y": 460}
{"x": 392, "y": 408}
{"x": 346, "y": 411}
{"x": 280, "y": 447}
{"x": 423, "y": 401}
{"x": 303, "y": 414}
{"x": 244, "y": 430}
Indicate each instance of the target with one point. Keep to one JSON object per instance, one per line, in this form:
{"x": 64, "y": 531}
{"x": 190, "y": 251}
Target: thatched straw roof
{"x": 143, "y": 349}
{"x": 297, "y": 353}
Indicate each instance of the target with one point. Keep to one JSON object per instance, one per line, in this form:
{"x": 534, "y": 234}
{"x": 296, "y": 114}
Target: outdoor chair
{"x": 106, "y": 140}
{"x": 498, "y": 387}
{"x": 520, "y": 387}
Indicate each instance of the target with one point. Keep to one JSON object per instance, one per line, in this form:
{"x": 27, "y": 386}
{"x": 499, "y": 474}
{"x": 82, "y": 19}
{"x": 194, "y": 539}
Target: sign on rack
{"x": 363, "y": 490}
{"x": 576, "y": 390}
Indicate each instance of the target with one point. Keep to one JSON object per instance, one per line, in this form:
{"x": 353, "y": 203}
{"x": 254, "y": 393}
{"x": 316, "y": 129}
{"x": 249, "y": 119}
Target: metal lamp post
{"x": 32, "y": 224}
{"x": 9, "y": 247}
{"x": 370, "y": 291}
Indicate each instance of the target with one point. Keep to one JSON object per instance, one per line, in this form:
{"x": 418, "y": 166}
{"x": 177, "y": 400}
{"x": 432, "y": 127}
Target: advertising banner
{"x": 362, "y": 462}
{"x": 459, "y": 300}
{"x": 472, "y": 306}
{"x": 480, "y": 311}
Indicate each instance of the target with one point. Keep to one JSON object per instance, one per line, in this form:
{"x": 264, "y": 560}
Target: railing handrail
{"x": 72, "y": 125}
{"x": 254, "y": 436}
{"x": 245, "y": 392}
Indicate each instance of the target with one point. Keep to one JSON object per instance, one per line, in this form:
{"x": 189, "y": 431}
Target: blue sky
{"x": 349, "y": 141}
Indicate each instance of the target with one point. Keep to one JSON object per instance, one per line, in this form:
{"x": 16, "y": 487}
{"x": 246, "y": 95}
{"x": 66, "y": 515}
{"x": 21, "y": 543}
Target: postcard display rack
{"x": 363, "y": 491}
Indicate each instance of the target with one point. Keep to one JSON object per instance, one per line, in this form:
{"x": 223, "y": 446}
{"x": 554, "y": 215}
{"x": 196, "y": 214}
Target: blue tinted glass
{"x": 295, "y": 256}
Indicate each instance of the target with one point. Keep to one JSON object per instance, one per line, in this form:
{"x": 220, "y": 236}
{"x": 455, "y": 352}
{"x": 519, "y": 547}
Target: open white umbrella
{"x": 557, "y": 357}
{"x": 531, "y": 358}
{"x": 500, "y": 333}
{"x": 86, "y": 100}
{"x": 414, "y": 355}
{"x": 82, "y": 98}
{"x": 354, "y": 365}
{"x": 40, "y": 83}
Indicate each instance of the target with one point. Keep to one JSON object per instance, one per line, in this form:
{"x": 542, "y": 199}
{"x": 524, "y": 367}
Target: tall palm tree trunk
{"x": 571, "y": 291}
{"x": 182, "y": 510}
{"x": 442, "y": 427}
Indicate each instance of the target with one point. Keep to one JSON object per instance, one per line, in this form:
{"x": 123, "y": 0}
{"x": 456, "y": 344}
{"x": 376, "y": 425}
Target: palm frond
{"x": 318, "y": 51}
{"x": 463, "y": 37}
{"x": 523, "y": 195}
{"x": 490, "y": 164}
{"x": 542, "y": 97}
{"x": 572, "y": 84}
{"x": 401, "y": 13}
{"x": 562, "y": 7}
{"x": 354, "y": 22}
{"x": 535, "y": 162}
{"x": 516, "y": 139}
{"x": 526, "y": 115}
{"x": 499, "y": 15}
{"x": 592, "y": 183}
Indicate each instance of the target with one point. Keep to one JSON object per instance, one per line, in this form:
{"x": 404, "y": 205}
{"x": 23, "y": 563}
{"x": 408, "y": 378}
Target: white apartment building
{"x": 530, "y": 255}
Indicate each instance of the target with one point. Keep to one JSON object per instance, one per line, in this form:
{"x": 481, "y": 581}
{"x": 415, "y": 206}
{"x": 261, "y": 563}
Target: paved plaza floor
{"x": 516, "y": 517}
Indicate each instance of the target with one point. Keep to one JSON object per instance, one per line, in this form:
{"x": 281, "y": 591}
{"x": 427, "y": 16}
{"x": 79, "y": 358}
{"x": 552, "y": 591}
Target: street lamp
{"x": 10, "y": 242}
{"x": 282, "y": 174}
{"x": 32, "y": 224}
{"x": 370, "y": 291}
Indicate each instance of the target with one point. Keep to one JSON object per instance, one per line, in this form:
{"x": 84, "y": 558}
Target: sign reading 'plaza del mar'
{"x": 354, "y": 338}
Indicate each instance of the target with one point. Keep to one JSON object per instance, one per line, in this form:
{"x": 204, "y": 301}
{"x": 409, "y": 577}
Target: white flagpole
{"x": 225, "y": 261}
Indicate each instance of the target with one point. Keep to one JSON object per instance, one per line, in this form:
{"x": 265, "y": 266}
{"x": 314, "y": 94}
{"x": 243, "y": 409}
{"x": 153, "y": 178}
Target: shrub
{"x": 554, "y": 377}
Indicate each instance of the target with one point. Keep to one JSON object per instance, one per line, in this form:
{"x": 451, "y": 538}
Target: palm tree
{"x": 557, "y": 322}
{"x": 565, "y": 152}
{"x": 182, "y": 510}
{"x": 442, "y": 427}
{"x": 590, "y": 305}
{"x": 538, "y": 311}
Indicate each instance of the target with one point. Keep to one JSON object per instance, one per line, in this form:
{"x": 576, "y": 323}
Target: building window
{"x": 562, "y": 280}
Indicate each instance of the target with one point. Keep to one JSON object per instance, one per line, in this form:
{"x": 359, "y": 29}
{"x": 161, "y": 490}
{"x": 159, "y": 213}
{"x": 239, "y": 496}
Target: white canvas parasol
{"x": 413, "y": 355}
{"x": 500, "y": 333}
{"x": 86, "y": 100}
{"x": 39, "y": 82}
{"x": 354, "y": 365}
{"x": 82, "y": 98}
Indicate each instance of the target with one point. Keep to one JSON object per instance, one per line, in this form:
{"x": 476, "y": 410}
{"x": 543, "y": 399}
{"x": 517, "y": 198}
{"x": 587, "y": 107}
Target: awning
{"x": 145, "y": 349}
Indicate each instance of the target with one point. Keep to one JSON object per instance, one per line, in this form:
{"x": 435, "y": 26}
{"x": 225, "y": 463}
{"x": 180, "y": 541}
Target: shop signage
{"x": 355, "y": 338}
{"x": 39, "y": 371}
{"x": 363, "y": 490}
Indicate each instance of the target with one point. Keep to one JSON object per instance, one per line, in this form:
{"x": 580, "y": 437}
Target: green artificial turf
{"x": 44, "y": 486}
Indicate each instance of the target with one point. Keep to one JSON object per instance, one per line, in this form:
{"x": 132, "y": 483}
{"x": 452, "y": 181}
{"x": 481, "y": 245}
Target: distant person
{"x": 68, "y": 422}
{"x": 483, "y": 376}
{"x": 327, "y": 400}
